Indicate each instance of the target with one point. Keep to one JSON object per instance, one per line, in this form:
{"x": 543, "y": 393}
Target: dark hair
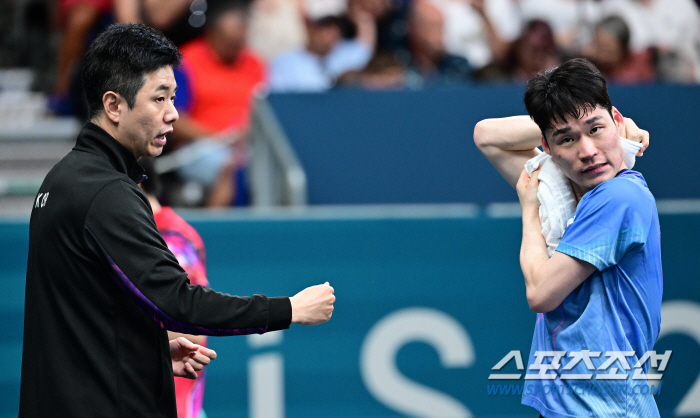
{"x": 119, "y": 59}
{"x": 573, "y": 89}
{"x": 152, "y": 185}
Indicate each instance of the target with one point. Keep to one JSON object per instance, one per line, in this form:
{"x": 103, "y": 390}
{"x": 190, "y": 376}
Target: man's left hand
{"x": 188, "y": 358}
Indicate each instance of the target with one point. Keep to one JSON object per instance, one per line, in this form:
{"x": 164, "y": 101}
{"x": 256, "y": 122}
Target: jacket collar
{"x": 97, "y": 141}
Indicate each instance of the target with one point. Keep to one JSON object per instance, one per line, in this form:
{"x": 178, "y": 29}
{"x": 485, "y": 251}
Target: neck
{"x": 111, "y": 128}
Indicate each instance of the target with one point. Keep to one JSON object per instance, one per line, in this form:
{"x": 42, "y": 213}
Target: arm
{"x": 189, "y": 358}
{"x": 499, "y": 46}
{"x": 366, "y": 26}
{"x": 548, "y": 281}
{"x": 508, "y": 143}
{"x": 120, "y": 230}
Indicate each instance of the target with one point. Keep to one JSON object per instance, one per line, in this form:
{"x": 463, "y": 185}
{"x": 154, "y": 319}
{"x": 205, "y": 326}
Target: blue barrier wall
{"x": 417, "y": 146}
{"x": 440, "y": 289}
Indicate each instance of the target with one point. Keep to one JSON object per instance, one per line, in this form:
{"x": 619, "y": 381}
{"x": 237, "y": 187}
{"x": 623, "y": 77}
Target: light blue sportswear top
{"x": 617, "y": 309}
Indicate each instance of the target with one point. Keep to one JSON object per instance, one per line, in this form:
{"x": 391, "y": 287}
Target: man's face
{"x": 142, "y": 129}
{"x": 323, "y": 37}
{"x": 587, "y": 150}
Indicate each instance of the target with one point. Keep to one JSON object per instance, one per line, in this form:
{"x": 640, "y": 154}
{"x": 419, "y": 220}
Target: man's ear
{"x": 112, "y": 104}
{"x": 545, "y": 146}
{"x": 619, "y": 121}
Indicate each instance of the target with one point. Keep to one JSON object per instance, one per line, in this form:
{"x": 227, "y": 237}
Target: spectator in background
{"x": 76, "y": 20}
{"x": 390, "y": 18}
{"x": 571, "y": 20}
{"x": 327, "y": 55}
{"x": 383, "y": 71}
{"x": 611, "y": 53}
{"x": 534, "y": 51}
{"x": 671, "y": 27}
{"x": 430, "y": 63}
{"x": 180, "y": 20}
{"x": 480, "y": 30}
{"x": 276, "y": 26}
{"x": 187, "y": 246}
{"x": 218, "y": 79}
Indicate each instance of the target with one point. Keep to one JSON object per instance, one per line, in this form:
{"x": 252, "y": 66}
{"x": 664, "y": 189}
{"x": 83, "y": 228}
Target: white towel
{"x": 557, "y": 200}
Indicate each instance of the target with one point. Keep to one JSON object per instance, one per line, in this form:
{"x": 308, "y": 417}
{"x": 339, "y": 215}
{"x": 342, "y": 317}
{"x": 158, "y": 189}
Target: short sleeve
{"x": 611, "y": 221}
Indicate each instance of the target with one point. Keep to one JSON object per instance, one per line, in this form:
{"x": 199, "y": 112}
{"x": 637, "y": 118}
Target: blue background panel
{"x": 464, "y": 268}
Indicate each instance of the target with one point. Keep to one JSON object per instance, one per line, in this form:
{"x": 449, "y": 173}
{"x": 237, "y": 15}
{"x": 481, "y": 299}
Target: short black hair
{"x": 574, "y": 88}
{"x": 119, "y": 59}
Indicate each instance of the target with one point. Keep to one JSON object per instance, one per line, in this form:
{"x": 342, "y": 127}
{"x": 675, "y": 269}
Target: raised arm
{"x": 508, "y": 143}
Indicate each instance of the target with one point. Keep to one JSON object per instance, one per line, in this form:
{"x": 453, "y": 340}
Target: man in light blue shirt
{"x": 326, "y": 57}
{"x": 599, "y": 295}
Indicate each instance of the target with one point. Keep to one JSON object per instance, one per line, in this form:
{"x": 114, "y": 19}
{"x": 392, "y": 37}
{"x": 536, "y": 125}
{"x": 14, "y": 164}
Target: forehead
{"x": 160, "y": 79}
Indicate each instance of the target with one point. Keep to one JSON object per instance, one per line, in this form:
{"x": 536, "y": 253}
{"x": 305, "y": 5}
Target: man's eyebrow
{"x": 164, "y": 87}
{"x": 592, "y": 120}
{"x": 562, "y": 131}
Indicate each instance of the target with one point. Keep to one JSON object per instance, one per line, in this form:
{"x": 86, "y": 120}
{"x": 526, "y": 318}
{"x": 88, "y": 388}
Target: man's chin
{"x": 155, "y": 151}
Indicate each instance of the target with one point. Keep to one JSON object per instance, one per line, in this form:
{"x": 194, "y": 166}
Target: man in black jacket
{"x": 102, "y": 286}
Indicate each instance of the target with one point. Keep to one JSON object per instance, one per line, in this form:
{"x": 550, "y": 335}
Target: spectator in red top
{"x": 216, "y": 85}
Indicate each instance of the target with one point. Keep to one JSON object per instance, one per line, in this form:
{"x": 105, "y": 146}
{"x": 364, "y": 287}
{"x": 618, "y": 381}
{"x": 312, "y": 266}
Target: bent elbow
{"x": 539, "y": 303}
{"x": 481, "y": 134}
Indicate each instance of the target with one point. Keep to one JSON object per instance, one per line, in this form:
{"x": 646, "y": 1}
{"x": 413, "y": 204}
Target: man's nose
{"x": 171, "y": 114}
{"x": 587, "y": 148}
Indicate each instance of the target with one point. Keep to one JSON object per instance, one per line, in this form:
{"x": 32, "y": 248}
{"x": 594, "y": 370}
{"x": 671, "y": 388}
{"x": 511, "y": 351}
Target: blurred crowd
{"x": 235, "y": 48}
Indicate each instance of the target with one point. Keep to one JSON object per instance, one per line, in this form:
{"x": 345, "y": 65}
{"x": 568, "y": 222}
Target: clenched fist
{"x": 313, "y": 305}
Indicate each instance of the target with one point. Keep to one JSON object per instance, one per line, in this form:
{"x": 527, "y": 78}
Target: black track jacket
{"x": 102, "y": 288}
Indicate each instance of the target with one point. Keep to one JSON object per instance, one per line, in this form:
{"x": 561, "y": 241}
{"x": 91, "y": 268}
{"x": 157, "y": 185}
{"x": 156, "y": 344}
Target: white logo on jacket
{"x": 41, "y": 200}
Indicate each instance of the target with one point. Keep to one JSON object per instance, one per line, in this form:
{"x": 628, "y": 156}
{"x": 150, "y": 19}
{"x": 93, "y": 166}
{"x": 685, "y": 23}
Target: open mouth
{"x": 161, "y": 139}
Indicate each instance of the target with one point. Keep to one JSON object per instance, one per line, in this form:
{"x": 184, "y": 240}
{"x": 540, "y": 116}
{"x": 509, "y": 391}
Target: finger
{"x": 189, "y": 371}
{"x": 195, "y": 365}
{"x": 200, "y": 358}
{"x": 207, "y": 352}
